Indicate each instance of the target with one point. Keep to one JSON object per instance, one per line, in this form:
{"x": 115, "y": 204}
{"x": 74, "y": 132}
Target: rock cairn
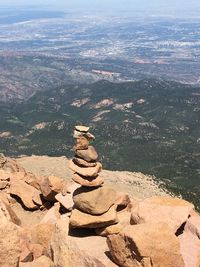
{"x": 94, "y": 204}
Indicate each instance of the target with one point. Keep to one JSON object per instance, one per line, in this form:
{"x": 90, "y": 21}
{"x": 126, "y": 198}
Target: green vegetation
{"x": 150, "y": 126}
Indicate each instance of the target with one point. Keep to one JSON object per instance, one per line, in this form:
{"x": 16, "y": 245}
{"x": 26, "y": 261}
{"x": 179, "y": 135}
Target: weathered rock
{"x": 190, "y": 249}
{"x": 87, "y": 181}
{"x": 52, "y": 215}
{"x": 51, "y": 186}
{"x": 87, "y": 172}
{"x": 80, "y": 219}
{"x": 41, "y": 234}
{"x": 65, "y": 252}
{"x": 173, "y": 211}
{"x": 9, "y": 213}
{"x": 147, "y": 244}
{"x": 193, "y": 224}
{"x": 82, "y": 163}
{"x": 82, "y": 143}
{"x": 42, "y": 261}
{"x": 4, "y": 197}
{"x": 190, "y": 241}
{"x": 89, "y": 154}
{"x": 82, "y": 128}
{"x": 8, "y": 164}
{"x": 32, "y": 180}
{"x": 122, "y": 199}
{"x": 3, "y": 184}
{"x": 66, "y": 201}
{"x": 26, "y": 193}
{"x": 9, "y": 242}
{"x": 124, "y": 220}
{"x": 36, "y": 250}
{"x": 94, "y": 201}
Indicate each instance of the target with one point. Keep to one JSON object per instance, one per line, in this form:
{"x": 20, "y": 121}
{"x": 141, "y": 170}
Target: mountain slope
{"x": 150, "y": 126}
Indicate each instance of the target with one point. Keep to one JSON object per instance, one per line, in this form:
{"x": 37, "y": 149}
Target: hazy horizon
{"x": 155, "y": 6}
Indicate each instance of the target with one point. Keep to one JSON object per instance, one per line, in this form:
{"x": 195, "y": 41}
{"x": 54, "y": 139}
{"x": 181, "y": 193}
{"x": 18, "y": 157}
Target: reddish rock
{"x": 26, "y": 193}
{"x": 122, "y": 199}
{"x": 173, "y": 211}
{"x": 52, "y": 215}
{"x": 42, "y": 261}
{"x": 9, "y": 242}
{"x": 94, "y": 201}
{"x": 41, "y": 234}
{"x": 65, "y": 252}
{"x": 9, "y": 213}
{"x": 124, "y": 220}
{"x": 87, "y": 172}
{"x": 147, "y": 244}
{"x": 82, "y": 163}
{"x": 88, "y": 181}
{"x": 81, "y": 143}
{"x": 36, "y": 250}
{"x": 89, "y": 154}
{"x": 66, "y": 201}
{"x": 80, "y": 219}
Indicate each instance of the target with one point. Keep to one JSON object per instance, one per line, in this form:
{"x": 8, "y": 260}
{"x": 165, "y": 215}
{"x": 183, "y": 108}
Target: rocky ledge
{"x": 48, "y": 221}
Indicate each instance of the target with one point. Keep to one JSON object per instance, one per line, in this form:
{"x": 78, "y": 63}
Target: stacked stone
{"x": 93, "y": 203}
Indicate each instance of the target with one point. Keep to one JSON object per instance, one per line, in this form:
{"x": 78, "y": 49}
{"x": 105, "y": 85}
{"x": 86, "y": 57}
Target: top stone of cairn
{"x": 81, "y": 128}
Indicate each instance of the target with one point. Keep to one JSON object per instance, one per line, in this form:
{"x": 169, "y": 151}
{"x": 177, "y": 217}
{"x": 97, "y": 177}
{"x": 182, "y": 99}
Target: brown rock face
{"x": 82, "y": 163}
{"x": 66, "y": 201}
{"x": 87, "y": 172}
{"x": 51, "y": 186}
{"x": 42, "y": 261}
{"x": 190, "y": 241}
{"x": 88, "y": 181}
{"x": 41, "y": 234}
{"x": 9, "y": 213}
{"x": 26, "y": 193}
{"x": 80, "y": 219}
{"x": 173, "y": 211}
{"x": 89, "y": 154}
{"x": 9, "y": 243}
{"x": 65, "y": 252}
{"x": 94, "y": 201}
{"x": 148, "y": 244}
{"x": 124, "y": 220}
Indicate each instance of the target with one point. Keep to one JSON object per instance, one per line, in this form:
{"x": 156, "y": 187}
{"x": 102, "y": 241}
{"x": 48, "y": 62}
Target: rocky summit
{"x": 83, "y": 221}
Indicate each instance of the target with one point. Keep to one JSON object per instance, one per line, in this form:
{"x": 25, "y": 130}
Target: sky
{"x": 109, "y": 5}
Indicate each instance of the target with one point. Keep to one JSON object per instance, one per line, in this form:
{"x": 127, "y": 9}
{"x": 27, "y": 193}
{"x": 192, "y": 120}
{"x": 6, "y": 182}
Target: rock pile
{"x": 94, "y": 204}
{"x": 157, "y": 231}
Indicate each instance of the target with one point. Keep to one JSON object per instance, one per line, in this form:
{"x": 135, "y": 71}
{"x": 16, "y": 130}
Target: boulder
{"x": 9, "y": 213}
{"x": 89, "y": 154}
{"x": 36, "y": 250}
{"x": 42, "y": 261}
{"x": 29, "y": 195}
{"x": 88, "y": 181}
{"x": 3, "y": 184}
{"x": 4, "y": 197}
{"x": 10, "y": 165}
{"x": 87, "y": 172}
{"x": 66, "y": 201}
{"x": 147, "y": 244}
{"x": 9, "y": 242}
{"x": 52, "y": 215}
{"x": 190, "y": 249}
{"x": 82, "y": 143}
{"x": 190, "y": 241}
{"x": 173, "y": 211}
{"x": 94, "y": 201}
{"x": 82, "y": 163}
{"x": 124, "y": 220}
{"x": 51, "y": 186}
{"x": 65, "y": 252}
{"x": 122, "y": 199}
{"x": 41, "y": 234}
{"x": 80, "y": 219}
